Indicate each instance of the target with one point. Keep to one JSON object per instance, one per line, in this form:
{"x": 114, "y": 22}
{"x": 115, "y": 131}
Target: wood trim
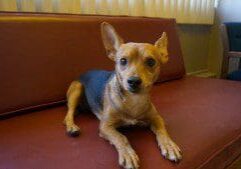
{"x": 225, "y": 42}
{"x": 236, "y": 164}
{"x": 234, "y": 54}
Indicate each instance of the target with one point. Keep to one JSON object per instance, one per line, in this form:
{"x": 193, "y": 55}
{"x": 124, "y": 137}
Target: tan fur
{"x": 122, "y": 107}
{"x": 74, "y": 94}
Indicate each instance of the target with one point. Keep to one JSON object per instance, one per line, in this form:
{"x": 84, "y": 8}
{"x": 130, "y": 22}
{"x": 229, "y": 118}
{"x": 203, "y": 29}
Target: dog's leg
{"x": 74, "y": 94}
{"x": 127, "y": 156}
{"x": 168, "y": 148}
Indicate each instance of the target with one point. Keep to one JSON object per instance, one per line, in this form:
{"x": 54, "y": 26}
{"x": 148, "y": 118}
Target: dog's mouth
{"x": 134, "y": 90}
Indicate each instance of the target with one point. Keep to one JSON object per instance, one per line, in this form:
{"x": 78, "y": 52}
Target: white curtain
{"x": 185, "y": 11}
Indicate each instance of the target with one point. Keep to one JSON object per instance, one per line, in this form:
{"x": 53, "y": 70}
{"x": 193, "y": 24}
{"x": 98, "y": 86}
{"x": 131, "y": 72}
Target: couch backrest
{"x": 40, "y": 54}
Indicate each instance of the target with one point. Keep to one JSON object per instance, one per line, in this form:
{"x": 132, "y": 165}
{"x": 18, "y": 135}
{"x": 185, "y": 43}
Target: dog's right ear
{"x": 161, "y": 45}
{"x": 111, "y": 39}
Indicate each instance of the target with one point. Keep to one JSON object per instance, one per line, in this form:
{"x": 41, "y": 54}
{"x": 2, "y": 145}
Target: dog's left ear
{"x": 161, "y": 45}
{"x": 112, "y": 41}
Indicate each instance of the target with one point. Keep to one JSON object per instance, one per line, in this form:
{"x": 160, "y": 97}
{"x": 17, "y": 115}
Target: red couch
{"x": 40, "y": 54}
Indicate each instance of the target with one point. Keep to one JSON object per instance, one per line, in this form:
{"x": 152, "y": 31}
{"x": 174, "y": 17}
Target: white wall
{"x": 230, "y": 10}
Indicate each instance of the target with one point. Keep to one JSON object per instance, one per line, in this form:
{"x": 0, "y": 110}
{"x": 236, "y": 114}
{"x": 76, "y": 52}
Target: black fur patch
{"x": 94, "y": 83}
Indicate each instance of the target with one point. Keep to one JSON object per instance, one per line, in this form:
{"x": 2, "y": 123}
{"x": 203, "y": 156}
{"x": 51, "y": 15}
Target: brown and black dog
{"x": 121, "y": 97}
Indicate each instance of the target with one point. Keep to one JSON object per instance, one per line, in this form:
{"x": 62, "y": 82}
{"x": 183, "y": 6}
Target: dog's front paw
{"x": 73, "y": 130}
{"x": 169, "y": 149}
{"x": 128, "y": 158}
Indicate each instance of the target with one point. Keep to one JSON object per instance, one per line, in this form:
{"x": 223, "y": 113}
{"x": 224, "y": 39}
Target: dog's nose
{"x": 134, "y": 81}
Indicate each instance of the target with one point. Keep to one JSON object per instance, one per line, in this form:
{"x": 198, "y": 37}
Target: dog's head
{"x": 137, "y": 64}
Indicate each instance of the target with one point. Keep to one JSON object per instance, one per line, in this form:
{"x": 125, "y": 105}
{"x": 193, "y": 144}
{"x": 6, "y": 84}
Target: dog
{"x": 121, "y": 97}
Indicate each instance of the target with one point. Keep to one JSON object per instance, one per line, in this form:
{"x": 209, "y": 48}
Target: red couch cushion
{"x": 202, "y": 115}
{"x": 42, "y": 53}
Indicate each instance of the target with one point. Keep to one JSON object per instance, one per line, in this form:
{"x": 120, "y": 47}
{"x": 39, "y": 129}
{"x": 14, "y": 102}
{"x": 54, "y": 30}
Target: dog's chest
{"x": 135, "y": 105}
{"x": 134, "y": 110}
{"x": 132, "y": 122}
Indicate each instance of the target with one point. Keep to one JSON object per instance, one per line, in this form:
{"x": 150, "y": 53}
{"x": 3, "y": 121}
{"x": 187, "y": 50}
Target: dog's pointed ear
{"x": 112, "y": 41}
{"x": 161, "y": 44}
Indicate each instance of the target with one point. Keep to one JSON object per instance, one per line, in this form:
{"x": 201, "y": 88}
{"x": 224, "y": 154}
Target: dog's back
{"x": 94, "y": 83}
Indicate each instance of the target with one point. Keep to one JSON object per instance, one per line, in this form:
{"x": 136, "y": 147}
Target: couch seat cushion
{"x": 202, "y": 115}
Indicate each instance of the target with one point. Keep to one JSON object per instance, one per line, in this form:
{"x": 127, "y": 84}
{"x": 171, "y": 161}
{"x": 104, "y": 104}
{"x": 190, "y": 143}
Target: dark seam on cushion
{"x": 29, "y": 109}
{"x": 233, "y": 140}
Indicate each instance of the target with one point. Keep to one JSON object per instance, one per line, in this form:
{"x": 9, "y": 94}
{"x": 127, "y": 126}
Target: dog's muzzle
{"x": 134, "y": 84}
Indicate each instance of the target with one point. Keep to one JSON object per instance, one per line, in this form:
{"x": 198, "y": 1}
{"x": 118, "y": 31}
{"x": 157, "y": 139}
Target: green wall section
{"x": 195, "y": 46}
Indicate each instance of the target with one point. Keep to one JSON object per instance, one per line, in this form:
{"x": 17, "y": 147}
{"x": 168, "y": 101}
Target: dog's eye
{"x": 150, "y": 62}
{"x": 123, "y": 61}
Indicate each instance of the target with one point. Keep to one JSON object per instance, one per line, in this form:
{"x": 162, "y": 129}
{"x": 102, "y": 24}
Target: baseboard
{"x": 197, "y": 72}
{"x": 202, "y": 73}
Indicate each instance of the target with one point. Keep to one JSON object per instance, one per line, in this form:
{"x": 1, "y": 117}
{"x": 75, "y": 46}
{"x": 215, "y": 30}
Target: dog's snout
{"x": 134, "y": 82}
